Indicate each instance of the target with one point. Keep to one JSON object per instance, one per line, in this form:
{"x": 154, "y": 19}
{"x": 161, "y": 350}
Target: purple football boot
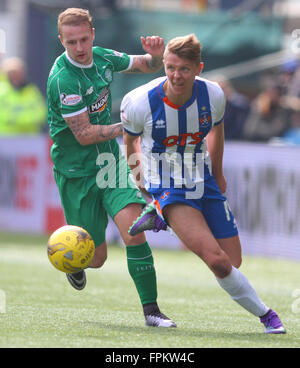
{"x": 272, "y": 323}
{"x": 148, "y": 220}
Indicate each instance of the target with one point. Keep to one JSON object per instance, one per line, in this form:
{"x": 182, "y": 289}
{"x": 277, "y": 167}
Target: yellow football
{"x": 70, "y": 249}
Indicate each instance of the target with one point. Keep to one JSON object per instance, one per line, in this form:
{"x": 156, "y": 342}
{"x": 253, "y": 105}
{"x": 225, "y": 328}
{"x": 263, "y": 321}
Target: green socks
{"x": 141, "y": 268}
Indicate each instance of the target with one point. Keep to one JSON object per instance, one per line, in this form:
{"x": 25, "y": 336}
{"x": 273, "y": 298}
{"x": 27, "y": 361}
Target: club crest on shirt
{"x": 108, "y": 75}
{"x": 205, "y": 119}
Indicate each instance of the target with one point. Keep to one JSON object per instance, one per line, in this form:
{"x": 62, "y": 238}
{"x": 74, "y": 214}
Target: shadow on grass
{"x": 182, "y": 332}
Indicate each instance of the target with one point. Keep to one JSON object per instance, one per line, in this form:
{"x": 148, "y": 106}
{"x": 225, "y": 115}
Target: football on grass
{"x": 70, "y": 249}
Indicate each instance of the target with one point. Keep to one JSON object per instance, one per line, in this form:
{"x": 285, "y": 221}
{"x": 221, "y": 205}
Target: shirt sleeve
{"x": 131, "y": 117}
{"x": 120, "y": 60}
{"x": 67, "y": 96}
{"x": 218, "y": 104}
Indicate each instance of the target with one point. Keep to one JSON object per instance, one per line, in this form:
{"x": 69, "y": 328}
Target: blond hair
{"x": 186, "y": 47}
{"x": 74, "y": 17}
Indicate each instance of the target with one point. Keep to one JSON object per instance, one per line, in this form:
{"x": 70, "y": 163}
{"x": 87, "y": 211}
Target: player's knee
{"x": 134, "y": 240}
{"x": 237, "y": 262}
{"x": 220, "y": 266}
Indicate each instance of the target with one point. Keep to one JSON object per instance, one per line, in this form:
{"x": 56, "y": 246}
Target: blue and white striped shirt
{"x": 173, "y": 137}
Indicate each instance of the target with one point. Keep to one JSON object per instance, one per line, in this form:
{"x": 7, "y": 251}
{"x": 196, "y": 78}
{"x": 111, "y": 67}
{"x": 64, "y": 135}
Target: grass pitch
{"x": 38, "y": 308}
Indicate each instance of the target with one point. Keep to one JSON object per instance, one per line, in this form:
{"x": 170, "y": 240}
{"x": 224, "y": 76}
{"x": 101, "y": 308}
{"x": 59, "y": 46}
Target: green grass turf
{"x": 43, "y": 310}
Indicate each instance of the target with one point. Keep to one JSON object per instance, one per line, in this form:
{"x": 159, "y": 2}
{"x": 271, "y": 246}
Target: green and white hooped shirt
{"x": 73, "y": 88}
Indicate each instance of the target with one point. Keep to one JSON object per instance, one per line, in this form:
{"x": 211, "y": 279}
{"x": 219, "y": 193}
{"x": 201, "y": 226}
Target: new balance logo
{"x": 89, "y": 91}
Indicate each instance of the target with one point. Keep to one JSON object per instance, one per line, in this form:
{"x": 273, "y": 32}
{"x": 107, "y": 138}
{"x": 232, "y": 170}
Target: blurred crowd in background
{"x": 22, "y": 105}
{"x": 271, "y": 115}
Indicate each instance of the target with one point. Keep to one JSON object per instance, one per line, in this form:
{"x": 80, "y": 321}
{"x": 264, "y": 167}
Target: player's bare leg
{"x": 78, "y": 279}
{"x": 100, "y": 256}
{"x": 232, "y": 247}
{"x": 149, "y": 220}
{"x": 124, "y": 219}
{"x": 190, "y": 226}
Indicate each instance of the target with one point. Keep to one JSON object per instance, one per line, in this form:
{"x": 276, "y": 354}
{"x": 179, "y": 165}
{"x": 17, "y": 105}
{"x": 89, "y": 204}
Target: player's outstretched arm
{"x": 87, "y": 133}
{"x": 152, "y": 61}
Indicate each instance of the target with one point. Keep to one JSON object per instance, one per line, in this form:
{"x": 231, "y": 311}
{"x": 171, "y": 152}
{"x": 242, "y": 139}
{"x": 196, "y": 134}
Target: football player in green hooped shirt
{"x": 79, "y": 109}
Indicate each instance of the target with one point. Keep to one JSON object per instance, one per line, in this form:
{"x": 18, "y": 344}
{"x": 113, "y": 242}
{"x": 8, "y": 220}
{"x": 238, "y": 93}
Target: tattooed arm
{"x": 145, "y": 64}
{"x": 152, "y": 61}
{"x": 86, "y": 133}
